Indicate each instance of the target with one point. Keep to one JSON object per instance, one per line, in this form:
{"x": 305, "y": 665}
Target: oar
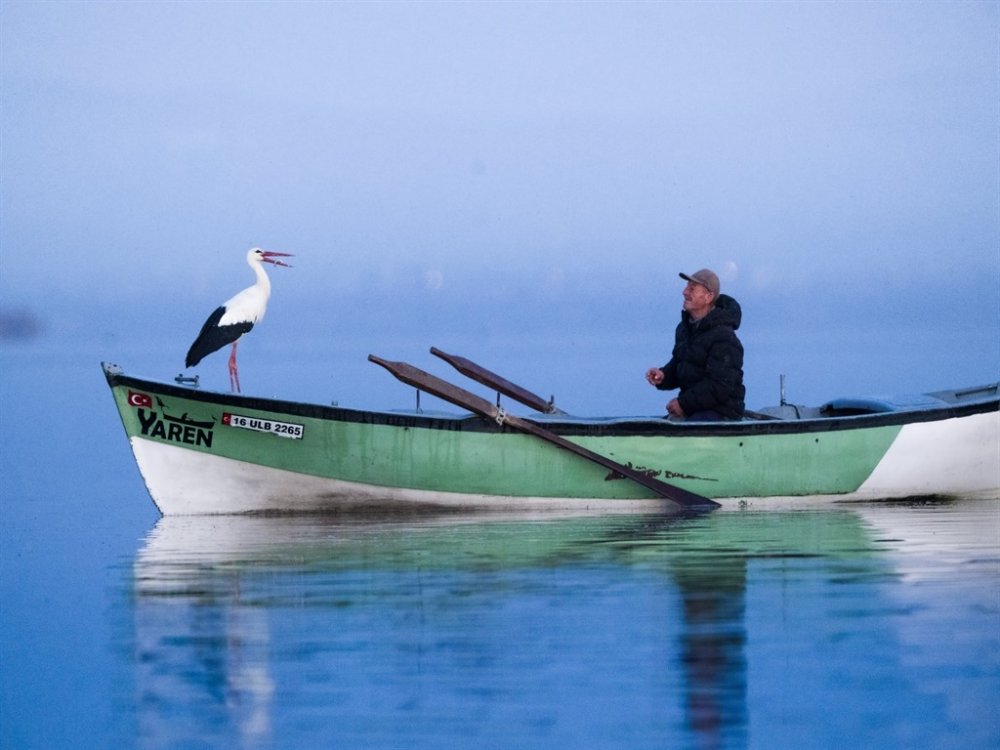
{"x": 460, "y": 397}
{"x": 496, "y": 382}
{"x": 500, "y": 384}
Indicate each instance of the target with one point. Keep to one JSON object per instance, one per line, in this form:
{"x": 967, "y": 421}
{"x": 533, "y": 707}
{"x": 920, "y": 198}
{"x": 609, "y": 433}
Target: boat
{"x": 208, "y": 452}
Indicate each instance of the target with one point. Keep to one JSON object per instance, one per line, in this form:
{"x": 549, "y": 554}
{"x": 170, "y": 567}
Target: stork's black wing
{"x": 213, "y": 337}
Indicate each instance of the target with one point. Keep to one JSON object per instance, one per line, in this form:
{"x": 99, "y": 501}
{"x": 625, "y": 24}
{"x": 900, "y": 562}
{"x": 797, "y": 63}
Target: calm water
{"x": 862, "y": 626}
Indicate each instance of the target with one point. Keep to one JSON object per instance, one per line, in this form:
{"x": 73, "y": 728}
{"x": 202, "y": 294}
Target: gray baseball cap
{"x": 706, "y": 278}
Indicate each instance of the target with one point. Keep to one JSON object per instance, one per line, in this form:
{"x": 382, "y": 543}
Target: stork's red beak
{"x": 269, "y": 257}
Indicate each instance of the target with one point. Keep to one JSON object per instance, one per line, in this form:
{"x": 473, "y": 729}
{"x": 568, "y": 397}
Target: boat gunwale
{"x": 564, "y": 424}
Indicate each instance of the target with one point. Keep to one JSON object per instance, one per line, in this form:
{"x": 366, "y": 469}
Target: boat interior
{"x": 852, "y": 406}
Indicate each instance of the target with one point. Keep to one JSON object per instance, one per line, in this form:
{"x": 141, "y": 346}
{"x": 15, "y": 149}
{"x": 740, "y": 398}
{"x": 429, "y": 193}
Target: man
{"x": 707, "y": 360}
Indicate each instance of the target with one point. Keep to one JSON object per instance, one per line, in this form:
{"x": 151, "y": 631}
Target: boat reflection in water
{"x": 411, "y": 630}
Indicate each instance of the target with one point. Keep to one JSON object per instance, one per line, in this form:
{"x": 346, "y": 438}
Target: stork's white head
{"x": 266, "y": 256}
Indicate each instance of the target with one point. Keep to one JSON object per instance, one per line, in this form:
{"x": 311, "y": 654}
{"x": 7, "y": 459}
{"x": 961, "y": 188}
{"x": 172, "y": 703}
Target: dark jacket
{"x": 707, "y": 362}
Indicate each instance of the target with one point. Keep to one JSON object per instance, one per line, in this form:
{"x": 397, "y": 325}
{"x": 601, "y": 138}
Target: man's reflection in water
{"x": 712, "y": 646}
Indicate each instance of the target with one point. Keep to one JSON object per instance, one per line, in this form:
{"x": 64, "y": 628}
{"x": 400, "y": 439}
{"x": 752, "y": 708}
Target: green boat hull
{"x": 206, "y": 452}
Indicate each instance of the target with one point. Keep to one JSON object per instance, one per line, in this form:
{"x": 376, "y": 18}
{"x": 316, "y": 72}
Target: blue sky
{"x": 514, "y": 180}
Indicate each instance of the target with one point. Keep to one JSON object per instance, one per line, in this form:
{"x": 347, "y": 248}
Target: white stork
{"x": 236, "y": 316}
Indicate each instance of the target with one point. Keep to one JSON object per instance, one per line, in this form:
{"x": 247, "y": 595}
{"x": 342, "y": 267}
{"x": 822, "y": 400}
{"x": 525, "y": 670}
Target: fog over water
{"x": 517, "y": 182}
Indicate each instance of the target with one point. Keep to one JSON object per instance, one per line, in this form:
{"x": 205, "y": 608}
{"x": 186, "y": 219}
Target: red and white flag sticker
{"x": 140, "y": 399}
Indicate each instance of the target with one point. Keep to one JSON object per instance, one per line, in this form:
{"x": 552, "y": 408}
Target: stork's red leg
{"x": 234, "y": 375}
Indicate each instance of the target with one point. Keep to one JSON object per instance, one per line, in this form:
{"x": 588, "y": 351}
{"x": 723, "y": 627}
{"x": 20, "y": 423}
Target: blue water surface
{"x": 870, "y": 625}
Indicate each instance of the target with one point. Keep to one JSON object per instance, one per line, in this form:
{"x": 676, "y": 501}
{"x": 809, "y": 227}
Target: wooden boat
{"x": 204, "y": 452}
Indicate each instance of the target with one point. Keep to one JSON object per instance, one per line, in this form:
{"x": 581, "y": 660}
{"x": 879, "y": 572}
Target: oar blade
{"x": 497, "y": 382}
{"x": 460, "y": 397}
{"x": 436, "y": 387}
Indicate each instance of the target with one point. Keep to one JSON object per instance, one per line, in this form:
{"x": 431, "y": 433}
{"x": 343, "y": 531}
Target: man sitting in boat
{"x": 707, "y": 359}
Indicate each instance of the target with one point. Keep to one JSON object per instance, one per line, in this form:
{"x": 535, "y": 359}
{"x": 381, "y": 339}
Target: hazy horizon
{"x": 523, "y": 180}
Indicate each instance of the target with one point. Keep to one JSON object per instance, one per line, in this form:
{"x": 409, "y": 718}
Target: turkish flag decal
{"x": 140, "y": 399}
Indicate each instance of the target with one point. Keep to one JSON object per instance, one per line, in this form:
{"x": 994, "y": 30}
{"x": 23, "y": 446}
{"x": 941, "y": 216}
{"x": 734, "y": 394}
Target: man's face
{"x": 697, "y": 299}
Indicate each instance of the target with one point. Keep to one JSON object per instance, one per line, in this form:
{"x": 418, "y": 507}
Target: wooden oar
{"x": 496, "y": 382}
{"x": 460, "y": 397}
